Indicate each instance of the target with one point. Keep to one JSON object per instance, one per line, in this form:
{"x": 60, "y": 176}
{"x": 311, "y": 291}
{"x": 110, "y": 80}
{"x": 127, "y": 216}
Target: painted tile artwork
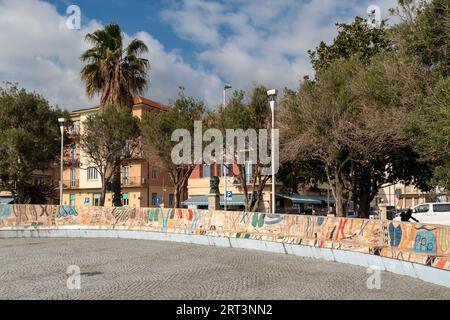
{"x": 424, "y": 244}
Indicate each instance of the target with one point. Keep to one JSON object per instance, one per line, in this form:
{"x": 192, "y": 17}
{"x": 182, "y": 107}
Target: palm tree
{"x": 116, "y": 74}
{"x": 112, "y": 71}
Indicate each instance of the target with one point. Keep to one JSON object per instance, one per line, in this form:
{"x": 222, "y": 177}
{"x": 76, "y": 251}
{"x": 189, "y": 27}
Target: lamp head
{"x": 272, "y": 94}
{"x": 62, "y": 121}
{"x": 227, "y": 86}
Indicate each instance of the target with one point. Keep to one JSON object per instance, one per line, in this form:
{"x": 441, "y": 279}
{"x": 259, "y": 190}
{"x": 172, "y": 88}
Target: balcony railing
{"x": 71, "y": 184}
{"x": 133, "y": 181}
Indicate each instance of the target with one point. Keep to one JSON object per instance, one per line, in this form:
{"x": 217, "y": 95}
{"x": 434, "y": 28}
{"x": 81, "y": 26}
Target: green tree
{"x": 254, "y": 115}
{"x": 424, "y": 35}
{"x": 29, "y": 141}
{"x": 107, "y": 135}
{"x": 355, "y": 39}
{"x": 157, "y": 128}
{"x": 301, "y": 173}
{"x": 116, "y": 73}
{"x": 424, "y": 32}
{"x": 358, "y": 122}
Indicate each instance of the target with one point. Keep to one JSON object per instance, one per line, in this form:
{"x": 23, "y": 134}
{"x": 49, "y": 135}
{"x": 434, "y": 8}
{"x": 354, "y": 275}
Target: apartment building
{"x": 404, "y": 197}
{"x": 145, "y": 182}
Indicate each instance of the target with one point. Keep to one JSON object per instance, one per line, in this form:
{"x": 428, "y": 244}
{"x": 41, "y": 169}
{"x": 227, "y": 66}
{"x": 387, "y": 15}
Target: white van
{"x": 432, "y": 213}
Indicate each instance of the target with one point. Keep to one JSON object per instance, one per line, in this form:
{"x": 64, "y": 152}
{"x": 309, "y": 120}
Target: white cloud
{"x": 243, "y": 42}
{"x": 42, "y": 54}
{"x": 262, "y": 42}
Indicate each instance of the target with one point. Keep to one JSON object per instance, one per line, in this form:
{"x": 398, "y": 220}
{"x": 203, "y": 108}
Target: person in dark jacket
{"x": 406, "y": 216}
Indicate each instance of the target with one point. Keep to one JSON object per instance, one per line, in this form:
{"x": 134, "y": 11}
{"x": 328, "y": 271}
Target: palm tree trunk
{"x": 116, "y": 184}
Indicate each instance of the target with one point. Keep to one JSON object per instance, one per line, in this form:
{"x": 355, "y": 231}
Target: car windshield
{"x": 422, "y": 208}
{"x": 441, "y": 207}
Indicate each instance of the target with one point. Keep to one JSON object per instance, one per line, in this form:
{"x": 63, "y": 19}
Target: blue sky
{"x": 133, "y": 16}
{"x": 197, "y": 44}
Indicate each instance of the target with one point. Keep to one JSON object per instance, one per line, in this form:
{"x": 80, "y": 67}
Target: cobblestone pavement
{"x": 142, "y": 269}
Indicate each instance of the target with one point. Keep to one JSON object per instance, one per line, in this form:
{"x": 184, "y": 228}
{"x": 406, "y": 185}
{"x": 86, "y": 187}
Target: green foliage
{"x": 240, "y": 115}
{"x": 114, "y": 72}
{"x": 355, "y": 39}
{"x": 29, "y": 136}
{"x": 157, "y": 128}
{"x": 294, "y": 174}
{"x": 425, "y": 32}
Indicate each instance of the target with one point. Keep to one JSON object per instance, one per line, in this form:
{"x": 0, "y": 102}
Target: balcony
{"x": 133, "y": 181}
{"x": 71, "y": 184}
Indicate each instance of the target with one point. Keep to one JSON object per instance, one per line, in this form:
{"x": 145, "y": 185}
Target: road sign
{"x": 157, "y": 200}
{"x": 229, "y": 195}
{"x": 86, "y": 200}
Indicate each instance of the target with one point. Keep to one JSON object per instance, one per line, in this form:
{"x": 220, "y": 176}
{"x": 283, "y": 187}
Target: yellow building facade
{"x": 144, "y": 183}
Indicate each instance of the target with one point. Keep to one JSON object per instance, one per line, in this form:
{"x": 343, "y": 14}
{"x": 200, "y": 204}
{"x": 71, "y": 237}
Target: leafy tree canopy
{"x": 29, "y": 136}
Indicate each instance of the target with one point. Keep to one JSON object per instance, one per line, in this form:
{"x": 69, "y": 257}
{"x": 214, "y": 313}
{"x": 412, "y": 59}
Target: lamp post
{"x": 272, "y": 94}
{"x": 225, "y": 172}
{"x": 62, "y": 123}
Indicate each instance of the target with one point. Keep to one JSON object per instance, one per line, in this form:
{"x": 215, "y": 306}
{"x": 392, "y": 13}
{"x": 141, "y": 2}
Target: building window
{"x": 154, "y": 172}
{"x": 72, "y": 200}
{"x": 125, "y": 174}
{"x": 154, "y": 196}
{"x": 126, "y": 148}
{"x": 74, "y": 151}
{"x": 92, "y": 173}
{"x": 206, "y": 171}
{"x": 97, "y": 197}
{"x": 171, "y": 199}
{"x": 73, "y": 128}
{"x": 125, "y": 198}
{"x": 72, "y": 177}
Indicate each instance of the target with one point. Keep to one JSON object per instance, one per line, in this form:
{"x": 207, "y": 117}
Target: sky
{"x": 196, "y": 44}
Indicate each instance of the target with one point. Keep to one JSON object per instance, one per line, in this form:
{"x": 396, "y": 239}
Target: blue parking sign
{"x": 157, "y": 200}
{"x": 229, "y": 195}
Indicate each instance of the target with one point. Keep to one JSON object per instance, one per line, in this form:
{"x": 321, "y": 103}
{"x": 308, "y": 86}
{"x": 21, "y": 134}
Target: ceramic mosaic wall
{"x": 425, "y": 244}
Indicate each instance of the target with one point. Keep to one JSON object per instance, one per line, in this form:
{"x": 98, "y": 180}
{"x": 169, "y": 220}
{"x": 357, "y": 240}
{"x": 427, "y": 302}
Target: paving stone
{"x": 144, "y": 269}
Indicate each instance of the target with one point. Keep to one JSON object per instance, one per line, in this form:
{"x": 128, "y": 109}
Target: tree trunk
{"x": 338, "y": 195}
{"x": 103, "y": 195}
{"x": 20, "y": 192}
{"x": 364, "y": 203}
{"x": 116, "y": 184}
{"x": 176, "y": 197}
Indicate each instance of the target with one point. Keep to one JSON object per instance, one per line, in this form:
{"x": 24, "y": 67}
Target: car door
{"x": 422, "y": 213}
{"x": 441, "y": 213}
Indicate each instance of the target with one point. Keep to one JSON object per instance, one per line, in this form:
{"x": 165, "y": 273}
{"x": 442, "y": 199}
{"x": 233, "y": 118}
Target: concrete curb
{"x": 406, "y": 268}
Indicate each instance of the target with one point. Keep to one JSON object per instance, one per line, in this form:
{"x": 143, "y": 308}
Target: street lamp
{"x": 225, "y": 88}
{"x": 225, "y": 172}
{"x": 272, "y": 94}
{"x": 62, "y": 123}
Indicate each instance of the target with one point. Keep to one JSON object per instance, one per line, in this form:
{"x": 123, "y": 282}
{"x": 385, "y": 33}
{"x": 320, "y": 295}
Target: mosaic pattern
{"x": 425, "y": 244}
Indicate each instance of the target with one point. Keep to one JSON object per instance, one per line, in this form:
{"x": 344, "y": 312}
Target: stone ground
{"x": 142, "y": 269}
